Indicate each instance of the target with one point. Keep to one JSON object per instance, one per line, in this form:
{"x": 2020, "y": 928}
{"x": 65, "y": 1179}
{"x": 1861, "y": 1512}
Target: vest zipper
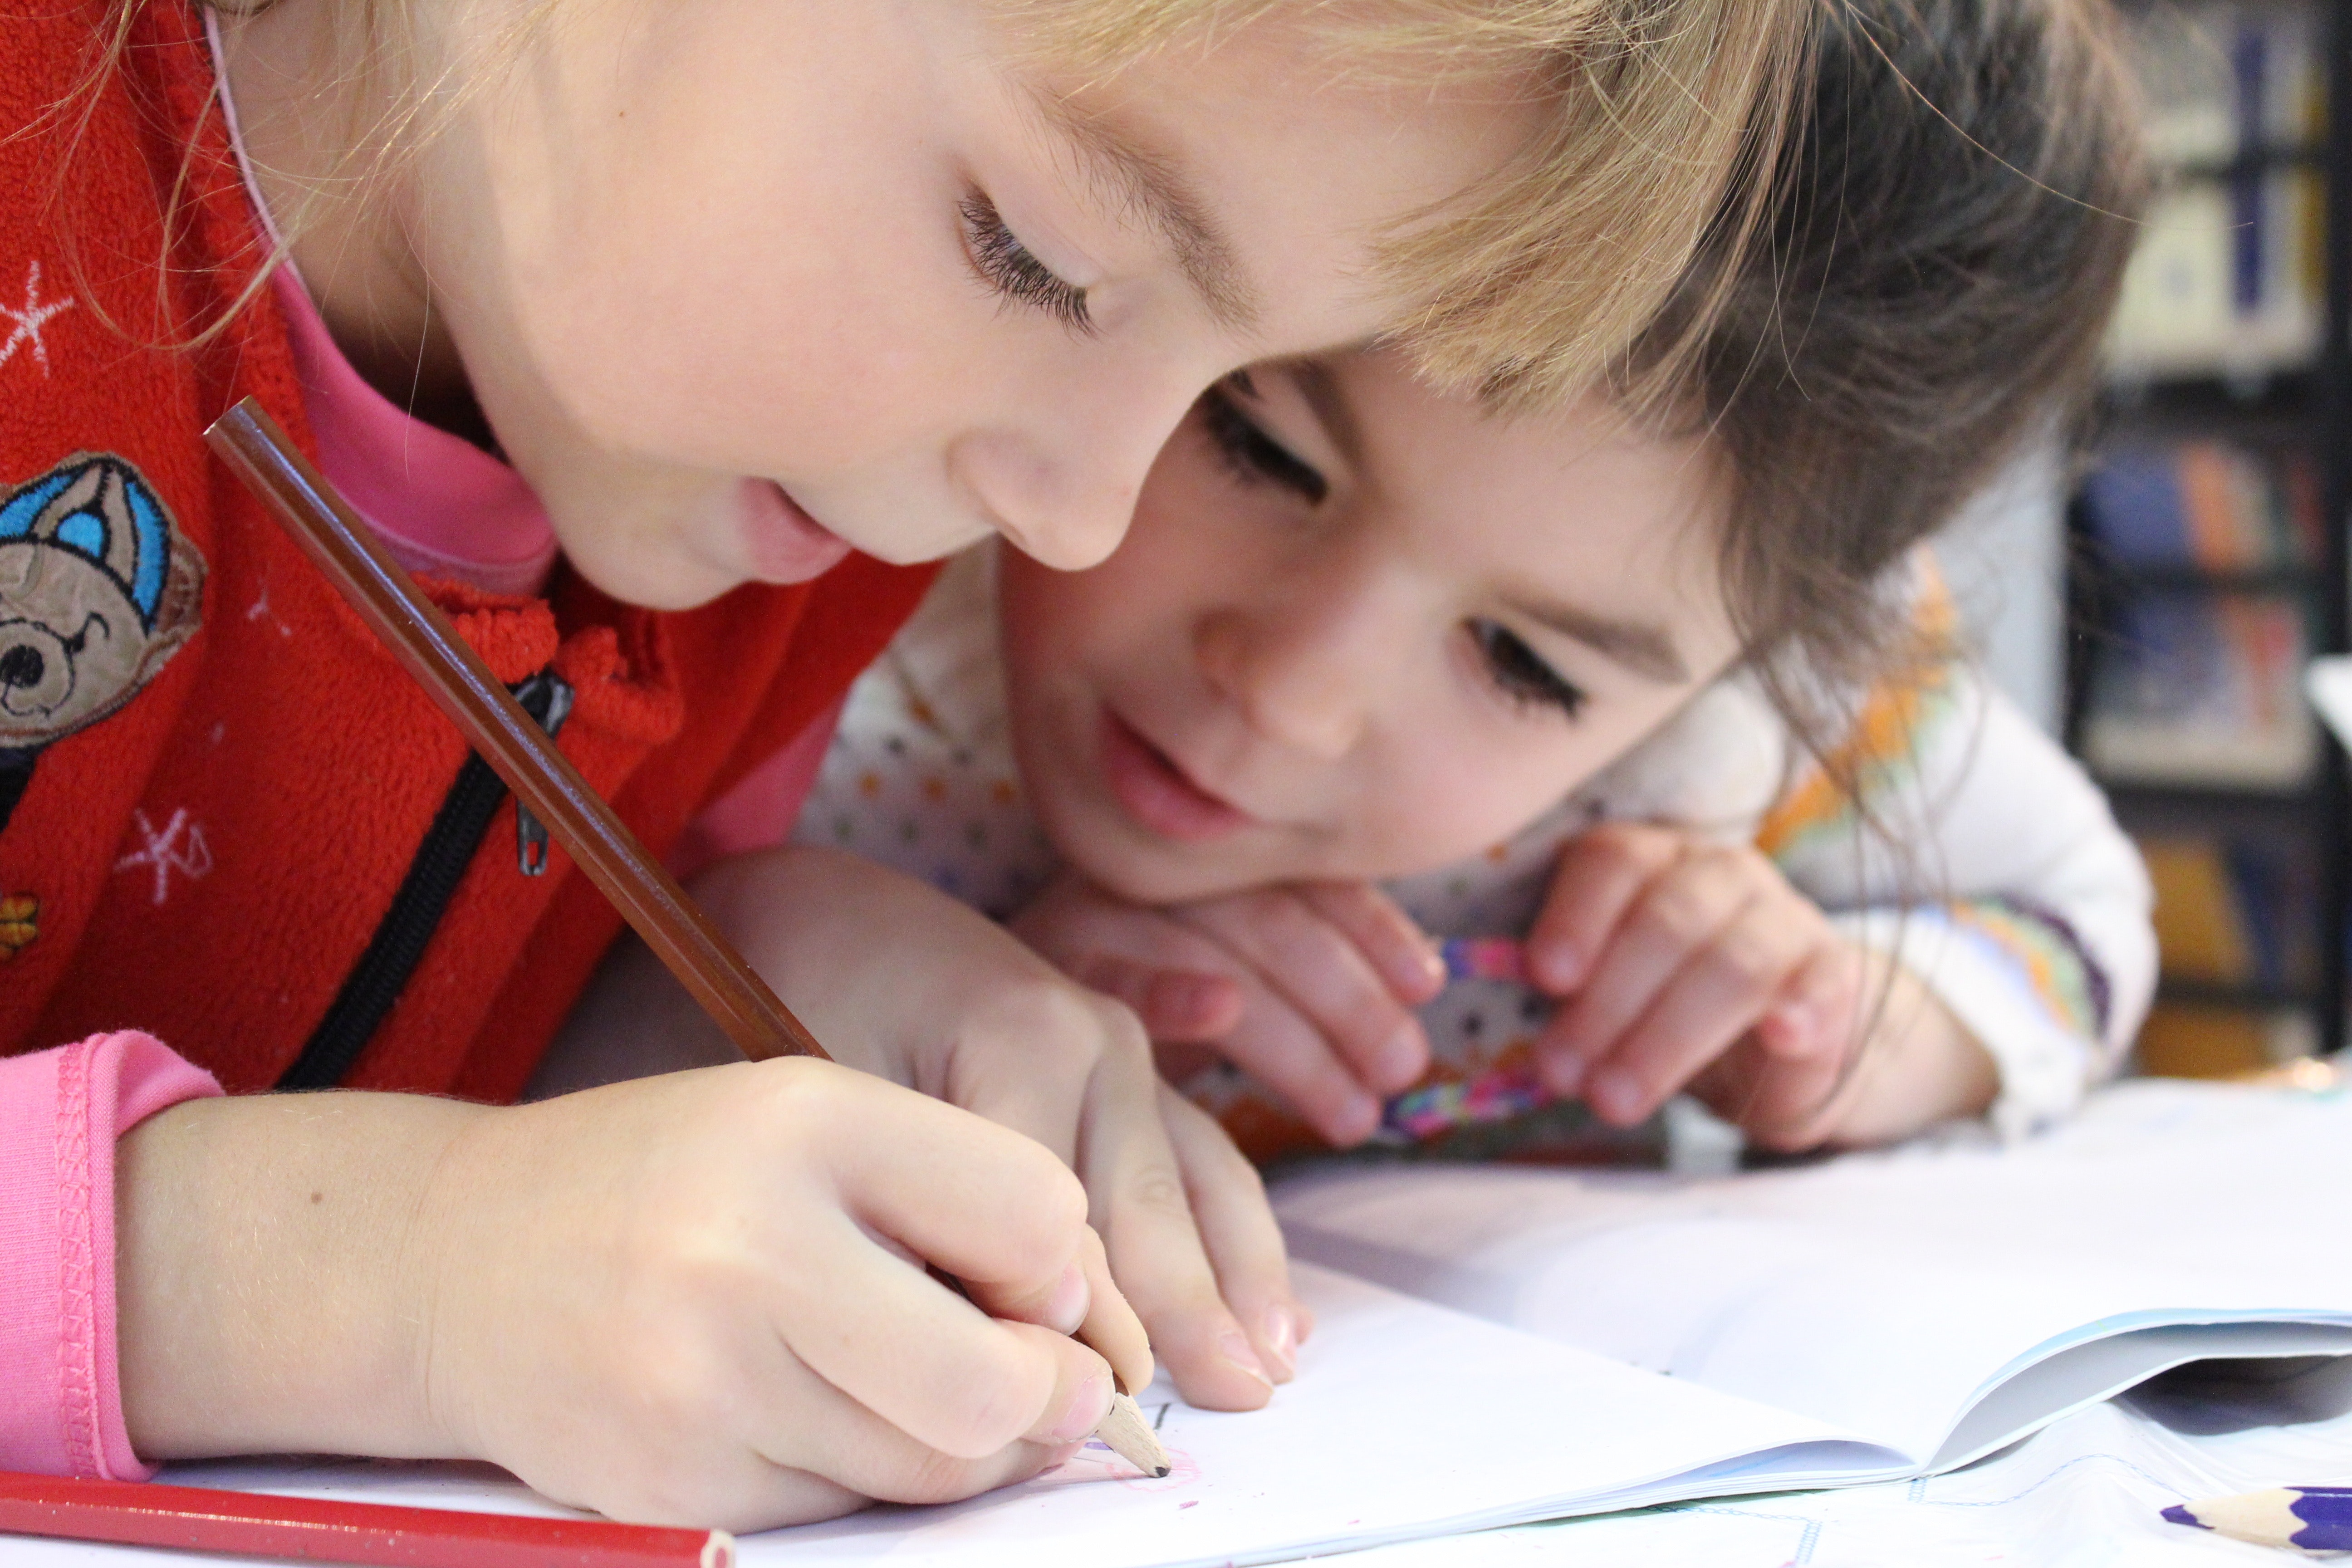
{"x": 398, "y": 945}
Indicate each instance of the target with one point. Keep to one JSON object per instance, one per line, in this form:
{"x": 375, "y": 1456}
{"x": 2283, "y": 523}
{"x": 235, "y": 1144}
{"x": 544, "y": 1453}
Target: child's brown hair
{"x": 1954, "y": 209}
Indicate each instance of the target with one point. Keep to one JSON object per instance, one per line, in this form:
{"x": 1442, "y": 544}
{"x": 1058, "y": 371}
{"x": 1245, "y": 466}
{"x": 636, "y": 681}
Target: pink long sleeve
{"x": 60, "y": 1112}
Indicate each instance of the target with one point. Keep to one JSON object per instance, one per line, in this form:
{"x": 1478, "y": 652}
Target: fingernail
{"x": 1281, "y": 1332}
{"x": 1404, "y": 1056}
{"x": 1235, "y": 1348}
{"x": 1614, "y": 1094}
{"x": 1563, "y": 1074}
{"x": 1066, "y": 1308}
{"x": 1086, "y": 1410}
{"x": 1554, "y": 966}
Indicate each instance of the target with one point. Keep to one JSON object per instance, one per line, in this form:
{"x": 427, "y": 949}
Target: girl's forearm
{"x": 274, "y": 1278}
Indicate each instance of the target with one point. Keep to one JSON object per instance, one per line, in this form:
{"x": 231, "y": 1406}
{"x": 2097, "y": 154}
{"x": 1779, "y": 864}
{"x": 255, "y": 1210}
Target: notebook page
{"x": 1406, "y": 1421}
{"x": 1883, "y": 1293}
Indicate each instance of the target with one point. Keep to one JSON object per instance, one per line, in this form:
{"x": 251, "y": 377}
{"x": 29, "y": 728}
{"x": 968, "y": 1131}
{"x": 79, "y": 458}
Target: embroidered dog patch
{"x": 98, "y": 590}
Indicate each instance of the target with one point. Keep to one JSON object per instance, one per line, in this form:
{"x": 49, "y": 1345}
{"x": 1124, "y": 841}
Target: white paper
{"x": 1881, "y": 1294}
{"x": 1406, "y": 1420}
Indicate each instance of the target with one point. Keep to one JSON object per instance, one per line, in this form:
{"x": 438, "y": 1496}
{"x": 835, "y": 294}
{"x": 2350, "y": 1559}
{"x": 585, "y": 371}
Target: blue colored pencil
{"x": 2316, "y": 1519}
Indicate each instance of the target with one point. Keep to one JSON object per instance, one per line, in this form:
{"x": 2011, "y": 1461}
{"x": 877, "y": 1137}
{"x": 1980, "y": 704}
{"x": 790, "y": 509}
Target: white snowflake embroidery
{"x": 31, "y": 319}
{"x": 180, "y": 847}
{"x": 260, "y": 608}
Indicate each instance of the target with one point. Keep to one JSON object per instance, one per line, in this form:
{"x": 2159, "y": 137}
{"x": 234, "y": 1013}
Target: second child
{"x": 1363, "y": 636}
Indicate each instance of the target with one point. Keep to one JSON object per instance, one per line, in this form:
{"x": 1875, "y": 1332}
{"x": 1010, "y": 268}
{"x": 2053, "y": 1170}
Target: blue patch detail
{"x": 16, "y": 516}
{"x": 85, "y": 531}
{"x": 155, "y": 544}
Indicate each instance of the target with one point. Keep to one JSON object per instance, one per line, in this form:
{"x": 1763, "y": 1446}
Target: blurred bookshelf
{"x": 2207, "y": 540}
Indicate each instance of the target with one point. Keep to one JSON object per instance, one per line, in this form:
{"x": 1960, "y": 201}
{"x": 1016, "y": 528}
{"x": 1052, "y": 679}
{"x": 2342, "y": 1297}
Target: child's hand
{"x": 700, "y": 1298}
{"x": 1310, "y": 987}
{"x": 1685, "y": 964}
{"x": 902, "y": 980}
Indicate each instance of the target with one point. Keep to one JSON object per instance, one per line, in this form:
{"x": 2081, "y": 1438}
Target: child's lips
{"x": 1156, "y": 794}
{"x": 786, "y": 544}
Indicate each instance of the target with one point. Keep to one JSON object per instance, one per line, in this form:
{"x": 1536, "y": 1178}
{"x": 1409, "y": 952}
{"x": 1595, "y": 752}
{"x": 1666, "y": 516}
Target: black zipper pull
{"x": 548, "y": 697}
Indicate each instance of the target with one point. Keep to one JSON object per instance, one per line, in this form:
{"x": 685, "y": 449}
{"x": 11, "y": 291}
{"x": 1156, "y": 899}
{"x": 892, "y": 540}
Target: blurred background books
{"x": 2205, "y": 567}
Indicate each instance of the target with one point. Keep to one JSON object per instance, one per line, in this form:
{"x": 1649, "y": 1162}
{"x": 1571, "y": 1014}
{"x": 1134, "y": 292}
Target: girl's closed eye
{"x": 1012, "y": 269}
{"x": 1520, "y": 674}
{"x": 1255, "y": 456}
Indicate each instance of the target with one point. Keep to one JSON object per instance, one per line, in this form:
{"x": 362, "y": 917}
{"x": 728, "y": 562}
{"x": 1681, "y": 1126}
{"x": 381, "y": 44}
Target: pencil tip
{"x": 1160, "y": 1472}
{"x": 2180, "y": 1515}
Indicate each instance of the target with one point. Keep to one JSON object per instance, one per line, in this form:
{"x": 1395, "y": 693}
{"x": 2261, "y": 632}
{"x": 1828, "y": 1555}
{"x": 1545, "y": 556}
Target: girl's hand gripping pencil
{"x": 496, "y": 726}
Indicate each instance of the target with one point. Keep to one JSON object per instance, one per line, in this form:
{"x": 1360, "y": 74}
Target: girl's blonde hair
{"x": 1661, "y": 118}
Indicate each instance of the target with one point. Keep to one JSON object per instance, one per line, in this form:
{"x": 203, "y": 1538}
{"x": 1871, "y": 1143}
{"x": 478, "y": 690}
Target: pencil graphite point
{"x": 1126, "y": 1433}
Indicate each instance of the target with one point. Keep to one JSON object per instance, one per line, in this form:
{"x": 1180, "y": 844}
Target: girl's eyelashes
{"x": 1007, "y": 266}
{"x": 1519, "y": 672}
{"x": 1256, "y": 456}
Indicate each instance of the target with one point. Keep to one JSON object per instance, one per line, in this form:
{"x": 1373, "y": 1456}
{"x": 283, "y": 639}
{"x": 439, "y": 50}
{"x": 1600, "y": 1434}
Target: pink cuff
{"x": 60, "y": 1112}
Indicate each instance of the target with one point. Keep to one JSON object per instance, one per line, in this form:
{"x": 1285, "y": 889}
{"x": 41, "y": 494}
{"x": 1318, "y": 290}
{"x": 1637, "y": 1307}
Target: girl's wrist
{"x": 276, "y": 1275}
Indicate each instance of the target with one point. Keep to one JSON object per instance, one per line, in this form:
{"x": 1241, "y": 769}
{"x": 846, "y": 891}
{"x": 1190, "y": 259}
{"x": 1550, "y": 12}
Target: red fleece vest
{"x": 213, "y": 777}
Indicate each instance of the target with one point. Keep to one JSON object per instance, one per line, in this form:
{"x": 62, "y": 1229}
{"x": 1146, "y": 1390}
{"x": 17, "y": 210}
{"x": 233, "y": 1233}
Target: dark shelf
{"x": 2269, "y": 396}
{"x": 2253, "y": 161}
{"x": 2197, "y": 809}
{"x": 2247, "y": 993}
{"x": 2186, "y": 576}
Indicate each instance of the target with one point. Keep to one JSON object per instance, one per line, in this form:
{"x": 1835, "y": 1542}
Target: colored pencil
{"x": 348, "y": 552}
{"x": 1484, "y": 958}
{"x": 198, "y": 1519}
{"x": 2315, "y": 1519}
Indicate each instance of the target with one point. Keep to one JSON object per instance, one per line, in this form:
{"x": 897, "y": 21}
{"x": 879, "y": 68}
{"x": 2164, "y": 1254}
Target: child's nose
{"x": 1064, "y": 493}
{"x": 1303, "y": 682}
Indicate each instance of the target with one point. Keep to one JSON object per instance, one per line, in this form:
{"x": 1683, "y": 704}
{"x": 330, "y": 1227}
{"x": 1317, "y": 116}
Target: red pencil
{"x": 197, "y": 1519}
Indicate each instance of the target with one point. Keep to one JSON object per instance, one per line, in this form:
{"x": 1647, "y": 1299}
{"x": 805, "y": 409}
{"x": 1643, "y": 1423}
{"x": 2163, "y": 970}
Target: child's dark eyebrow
{"x": 1151, "y": 187}
{"x": 1646, "y": 650}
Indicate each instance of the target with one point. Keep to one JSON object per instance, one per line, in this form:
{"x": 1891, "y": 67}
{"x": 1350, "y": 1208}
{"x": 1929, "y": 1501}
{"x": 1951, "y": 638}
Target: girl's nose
{"x": 1065, "y": 492}
{"x": 1306, "y": 677}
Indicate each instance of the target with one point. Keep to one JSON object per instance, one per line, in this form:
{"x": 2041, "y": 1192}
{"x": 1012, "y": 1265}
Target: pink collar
{"x": 445, "y": 507}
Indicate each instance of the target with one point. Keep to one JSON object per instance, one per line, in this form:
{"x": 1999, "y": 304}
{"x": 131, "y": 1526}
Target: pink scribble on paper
{"x": 1095, "y": 1462}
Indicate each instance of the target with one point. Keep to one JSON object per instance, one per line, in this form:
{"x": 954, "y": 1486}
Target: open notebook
{"x": 1498, "y": 1345}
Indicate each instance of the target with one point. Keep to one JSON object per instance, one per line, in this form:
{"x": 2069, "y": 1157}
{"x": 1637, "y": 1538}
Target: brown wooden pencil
{"x": 660, "y": 911}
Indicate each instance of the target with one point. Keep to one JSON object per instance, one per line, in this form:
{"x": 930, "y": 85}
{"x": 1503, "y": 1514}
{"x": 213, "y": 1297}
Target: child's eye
{"x": 1007, "y": 266}
{"x": 1254, "y": 456}
{"x": 1520, "y": 673}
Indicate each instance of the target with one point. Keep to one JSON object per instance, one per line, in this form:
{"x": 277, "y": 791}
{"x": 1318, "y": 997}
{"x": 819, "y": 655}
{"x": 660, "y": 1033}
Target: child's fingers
{"x": 1292, "y": 1058}
{"x": 1791, "y": 1095}
{"x": 1326, "y": 979}
{"x": 1180, "y": 1007}
{"x": 1598, "y": 876}
{"x": 1705, "y": 1006}
{"x": 1398, "y": 951}
{"x": 1143, "y": 1207}
{"x": 922, "y": 1358}
{"x": 1670, "y": 918}
{"x": 816, "y": 1423}
{"x": 1244, "y": 1243}
{"x": 992, "y": 1208}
